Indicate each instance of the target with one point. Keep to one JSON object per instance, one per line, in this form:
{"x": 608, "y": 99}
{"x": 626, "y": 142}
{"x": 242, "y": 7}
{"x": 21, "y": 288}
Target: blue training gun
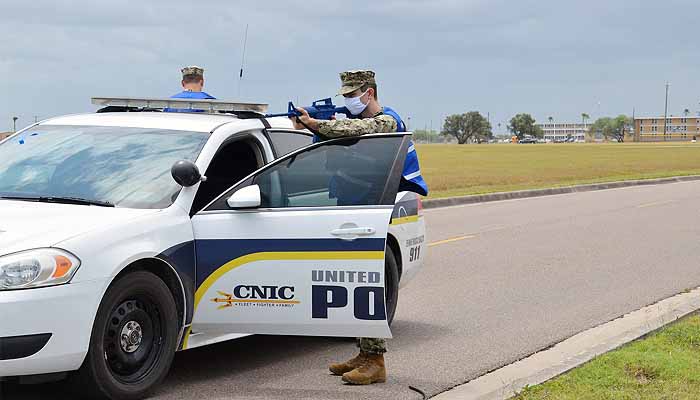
{"x": 319, "y": 109}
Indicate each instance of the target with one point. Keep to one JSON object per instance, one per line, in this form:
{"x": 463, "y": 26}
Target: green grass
{"x": 665, "y": 365}
{"x": 454, "y": 170}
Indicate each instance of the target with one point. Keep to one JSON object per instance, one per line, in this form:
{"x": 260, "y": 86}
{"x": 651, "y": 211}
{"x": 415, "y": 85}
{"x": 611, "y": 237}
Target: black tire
{"x": 133, "y": 340}
{"x": 391, "y": 284}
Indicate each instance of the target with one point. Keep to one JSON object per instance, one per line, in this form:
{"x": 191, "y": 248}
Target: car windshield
{"x": 127, "y": 167}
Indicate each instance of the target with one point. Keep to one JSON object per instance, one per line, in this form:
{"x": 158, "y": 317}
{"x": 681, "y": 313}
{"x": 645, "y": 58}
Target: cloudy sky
{"x": 554, "y": 58}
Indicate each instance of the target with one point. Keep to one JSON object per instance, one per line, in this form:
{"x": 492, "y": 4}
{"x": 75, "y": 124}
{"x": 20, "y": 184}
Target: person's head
{"x": 193, "y": 78}
{"x": 360, "y": 91}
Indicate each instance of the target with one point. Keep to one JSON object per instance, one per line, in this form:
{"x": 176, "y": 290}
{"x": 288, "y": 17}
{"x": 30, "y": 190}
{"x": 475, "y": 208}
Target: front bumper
{"x": 47, "y": 330}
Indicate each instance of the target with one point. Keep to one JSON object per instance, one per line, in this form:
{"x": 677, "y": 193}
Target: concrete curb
{"x": 507, "y": 381}
{"x": 521, "y": 194}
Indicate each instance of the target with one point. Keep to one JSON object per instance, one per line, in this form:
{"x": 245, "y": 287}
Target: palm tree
{"x": 686, "y": 112}
{"x": 584, "y": 117}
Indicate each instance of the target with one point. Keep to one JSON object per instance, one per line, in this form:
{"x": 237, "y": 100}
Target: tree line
{"x": 472, "y": 127}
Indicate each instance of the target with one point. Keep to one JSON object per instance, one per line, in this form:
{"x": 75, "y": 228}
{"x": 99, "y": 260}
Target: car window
{"x": 235, "y": 159}
{"x": 348, "y": 172}
{"x": 286, "y": 142}
{"x": 128, "y": 167}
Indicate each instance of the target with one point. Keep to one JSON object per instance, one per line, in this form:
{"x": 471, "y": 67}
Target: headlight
{"x": 35, "y": 268}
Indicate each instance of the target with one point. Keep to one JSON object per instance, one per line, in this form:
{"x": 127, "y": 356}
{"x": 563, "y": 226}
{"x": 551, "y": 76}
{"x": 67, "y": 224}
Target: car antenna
{"x": 240, "y": 74}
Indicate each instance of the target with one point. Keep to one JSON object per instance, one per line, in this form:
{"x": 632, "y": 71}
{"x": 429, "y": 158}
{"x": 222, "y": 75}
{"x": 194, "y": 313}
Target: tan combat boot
{"x": 371, "y": 371}
{"x": 347, "y": 366}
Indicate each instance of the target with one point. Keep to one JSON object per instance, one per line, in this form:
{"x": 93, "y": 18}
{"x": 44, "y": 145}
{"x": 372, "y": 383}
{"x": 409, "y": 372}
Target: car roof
{"x": 191, "y": 122}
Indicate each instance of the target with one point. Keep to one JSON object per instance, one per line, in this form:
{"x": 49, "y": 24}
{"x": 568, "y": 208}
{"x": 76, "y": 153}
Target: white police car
{"x": 115, "y": 252}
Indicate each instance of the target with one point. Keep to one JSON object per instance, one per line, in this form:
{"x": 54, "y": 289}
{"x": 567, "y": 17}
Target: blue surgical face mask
{"x": 355, "y": 105}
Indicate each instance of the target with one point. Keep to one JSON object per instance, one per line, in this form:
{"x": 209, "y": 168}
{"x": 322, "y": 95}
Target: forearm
{"x": 337, "y": 128}
{"x": 356, "y": 127}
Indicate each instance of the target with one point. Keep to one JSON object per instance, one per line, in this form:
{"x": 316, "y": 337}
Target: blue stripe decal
{"x": 213, "y": 253}
{"x": 182, "y": 258}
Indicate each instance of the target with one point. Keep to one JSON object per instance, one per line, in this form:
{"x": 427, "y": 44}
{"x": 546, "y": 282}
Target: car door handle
{"x": 360, "y": 231}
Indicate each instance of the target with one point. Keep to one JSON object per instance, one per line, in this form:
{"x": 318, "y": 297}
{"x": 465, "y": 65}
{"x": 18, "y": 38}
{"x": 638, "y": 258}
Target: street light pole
{"x": 665, "y": 111}
{"x": 14, "y": 124}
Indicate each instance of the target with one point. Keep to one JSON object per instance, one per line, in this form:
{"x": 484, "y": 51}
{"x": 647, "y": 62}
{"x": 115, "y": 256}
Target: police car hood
{"x": 29, "y": 225}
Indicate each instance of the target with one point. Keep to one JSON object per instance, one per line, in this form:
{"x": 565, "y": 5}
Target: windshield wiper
{"x": 59, "y": 199}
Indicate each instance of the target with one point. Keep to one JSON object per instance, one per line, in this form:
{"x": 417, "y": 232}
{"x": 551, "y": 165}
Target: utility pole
{"x": 36, "y": 119}
{"x": 665, "y": 111}
{"x": 430, "y": 140}
{"x": 14, "y": 124}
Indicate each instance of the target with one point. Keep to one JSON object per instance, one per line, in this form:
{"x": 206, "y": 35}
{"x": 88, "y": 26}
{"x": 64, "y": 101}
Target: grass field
{"x": 665, "y": 365}
{"x": 453, "y": 170}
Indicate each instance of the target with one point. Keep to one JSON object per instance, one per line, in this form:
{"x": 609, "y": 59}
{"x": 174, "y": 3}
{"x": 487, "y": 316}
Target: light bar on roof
{"x": 194, "y": 104}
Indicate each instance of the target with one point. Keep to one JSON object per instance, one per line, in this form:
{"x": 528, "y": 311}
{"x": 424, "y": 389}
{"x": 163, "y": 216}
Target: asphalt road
{"x": 502, "y": 281}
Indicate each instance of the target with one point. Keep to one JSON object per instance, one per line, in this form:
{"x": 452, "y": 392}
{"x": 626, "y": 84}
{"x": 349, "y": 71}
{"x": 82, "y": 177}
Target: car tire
{"x": 391, "y": 284}
{"x": 133, "y": 340}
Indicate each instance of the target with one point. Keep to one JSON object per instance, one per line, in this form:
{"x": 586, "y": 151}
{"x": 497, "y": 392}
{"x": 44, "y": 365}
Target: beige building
{"x": 651, "y": 129}
{"x": 3, "y": 135}
{"x": 556, "y": 132}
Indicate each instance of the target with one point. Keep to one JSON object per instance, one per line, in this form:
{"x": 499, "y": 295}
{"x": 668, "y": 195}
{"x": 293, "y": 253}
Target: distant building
{"x": 679, "y": 129}
{"x": 3, "y": 135}
{"x": 562, "y": 131}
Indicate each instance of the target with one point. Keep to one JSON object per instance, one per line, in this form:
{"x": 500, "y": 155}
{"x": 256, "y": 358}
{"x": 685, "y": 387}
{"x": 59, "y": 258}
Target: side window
{"x": 235, "y": 160}
{"x": 347, "y": 172}
{"x": 286, "y": 142}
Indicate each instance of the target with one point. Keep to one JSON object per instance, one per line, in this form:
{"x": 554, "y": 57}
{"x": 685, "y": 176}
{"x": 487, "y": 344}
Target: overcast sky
{"x": 554, "y": 58}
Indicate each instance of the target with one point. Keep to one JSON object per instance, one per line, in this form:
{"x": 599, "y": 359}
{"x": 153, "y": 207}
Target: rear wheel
{"x": 391, "y": 284}
{"x": 133, "y": 339}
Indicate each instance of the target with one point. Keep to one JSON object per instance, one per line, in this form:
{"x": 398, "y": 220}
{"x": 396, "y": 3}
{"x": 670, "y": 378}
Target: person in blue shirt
{"x": 192, "y": 84}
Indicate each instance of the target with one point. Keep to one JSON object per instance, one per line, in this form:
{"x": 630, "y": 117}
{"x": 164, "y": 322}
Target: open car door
{"x": 297, "y": 248}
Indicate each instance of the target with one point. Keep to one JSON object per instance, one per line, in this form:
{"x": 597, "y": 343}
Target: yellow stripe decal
{"x": 187, "y": 337}
{"x": 282, "y": 255}
{"x": 404, "y": 220}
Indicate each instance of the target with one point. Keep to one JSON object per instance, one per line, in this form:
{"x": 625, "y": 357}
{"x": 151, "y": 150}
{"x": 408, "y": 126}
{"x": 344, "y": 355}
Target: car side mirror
{"x": 247, "y": 197}
{"x": 186, "y": 173}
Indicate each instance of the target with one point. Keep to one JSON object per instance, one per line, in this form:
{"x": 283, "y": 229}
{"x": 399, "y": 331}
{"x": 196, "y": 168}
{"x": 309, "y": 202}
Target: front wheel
{"x": 391, "y": 284}
{"x": 133, "y": 339}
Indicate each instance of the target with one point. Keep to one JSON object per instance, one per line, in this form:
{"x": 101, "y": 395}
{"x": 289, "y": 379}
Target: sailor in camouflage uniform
{"x": 360, "y": 91}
